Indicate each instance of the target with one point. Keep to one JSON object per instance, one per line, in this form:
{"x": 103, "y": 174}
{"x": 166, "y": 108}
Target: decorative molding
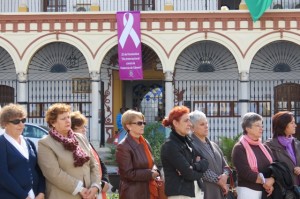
{"x": 22, "y": 77}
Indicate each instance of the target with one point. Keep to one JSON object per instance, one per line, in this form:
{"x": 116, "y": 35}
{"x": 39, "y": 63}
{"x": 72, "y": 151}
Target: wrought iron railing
{"x": 126, "y": 5}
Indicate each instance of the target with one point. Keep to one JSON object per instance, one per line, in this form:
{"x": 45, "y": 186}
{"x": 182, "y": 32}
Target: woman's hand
{"x": 269, "y": 183}
{"x": 223, "y": 183}
{"x": 92, "y": 192}
{"x": 154, "y": 173}
{"x": 40, "y": 196}
{"x": 269, "y": 190}
{"x": 297, "y": 171}
{"x": 84, "y": 193}
{"x": 106, "y": 186}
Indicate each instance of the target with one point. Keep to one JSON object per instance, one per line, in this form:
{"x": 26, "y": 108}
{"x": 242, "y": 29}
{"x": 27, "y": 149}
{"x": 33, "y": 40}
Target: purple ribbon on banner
{"x": 129, "y": 46}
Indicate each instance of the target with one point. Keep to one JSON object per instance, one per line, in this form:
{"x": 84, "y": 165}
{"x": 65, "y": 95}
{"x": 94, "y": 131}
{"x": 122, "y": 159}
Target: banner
{"x": 129, "y": 46}
{"x": 258, "y": 7}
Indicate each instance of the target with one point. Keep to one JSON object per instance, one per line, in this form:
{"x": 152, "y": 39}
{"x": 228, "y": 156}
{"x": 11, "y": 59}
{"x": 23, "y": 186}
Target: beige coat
{"x": 61, "y": 175}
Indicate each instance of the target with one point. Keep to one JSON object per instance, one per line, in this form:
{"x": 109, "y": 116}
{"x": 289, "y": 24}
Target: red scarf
{"x": 71, "y": 144}
{"x": 152, "y": 183}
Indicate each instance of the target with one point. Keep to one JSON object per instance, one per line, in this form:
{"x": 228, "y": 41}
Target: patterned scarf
{"x": 246, "y": 142}
{"x": 71, "y": 144}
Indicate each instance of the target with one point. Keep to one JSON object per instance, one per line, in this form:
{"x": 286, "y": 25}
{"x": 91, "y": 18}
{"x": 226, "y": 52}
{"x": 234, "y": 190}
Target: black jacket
{"x": 180, "y": 168}
{"x": 283, "y": 179}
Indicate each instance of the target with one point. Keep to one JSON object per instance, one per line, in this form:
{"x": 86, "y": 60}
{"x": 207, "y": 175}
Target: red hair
{"x": 175, "y": 114}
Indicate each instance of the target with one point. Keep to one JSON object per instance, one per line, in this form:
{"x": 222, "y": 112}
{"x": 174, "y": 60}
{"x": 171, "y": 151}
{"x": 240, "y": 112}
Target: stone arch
{"x": 146, "y": 39}
{"x": 42, "y": 41}
{"x": 215, "y": 37}
{"x": 11, "y": 50}
{"x": 265, "y": 40}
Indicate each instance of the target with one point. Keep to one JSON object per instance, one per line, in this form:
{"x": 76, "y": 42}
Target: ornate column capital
{"x": 22, "y": 77}
{"x": 95, "y": 75}
{"x": 168, "y": 76}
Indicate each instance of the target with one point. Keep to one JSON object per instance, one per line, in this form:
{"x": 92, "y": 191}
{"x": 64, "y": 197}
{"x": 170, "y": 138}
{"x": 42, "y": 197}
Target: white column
{"x": 95, "y": 99}
{"x": 22, "y": 89}
{"x": 244, "y": 92}
{"x": 169, "y": 92}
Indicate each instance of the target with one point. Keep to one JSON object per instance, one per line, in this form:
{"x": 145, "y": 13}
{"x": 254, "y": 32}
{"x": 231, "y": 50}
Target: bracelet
{"x": 262, "y": 178}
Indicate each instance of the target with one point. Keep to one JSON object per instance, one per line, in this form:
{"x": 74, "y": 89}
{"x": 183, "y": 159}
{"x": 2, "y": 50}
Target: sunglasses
{"x": 17, "y": 121}
{"x": 139, "y": 123}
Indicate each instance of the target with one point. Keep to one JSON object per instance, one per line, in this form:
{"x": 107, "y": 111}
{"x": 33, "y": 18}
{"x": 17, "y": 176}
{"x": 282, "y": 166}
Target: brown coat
{"x": 282, "y": 155}
{"x": 61, "y": 175}
{"x": 134, "y": 172}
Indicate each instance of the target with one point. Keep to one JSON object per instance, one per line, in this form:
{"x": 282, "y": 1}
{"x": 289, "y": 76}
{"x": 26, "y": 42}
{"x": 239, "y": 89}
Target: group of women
{"x": 253, "y": 159}
{"x": 65, "y": 166}
{"x": 194, "y": 166}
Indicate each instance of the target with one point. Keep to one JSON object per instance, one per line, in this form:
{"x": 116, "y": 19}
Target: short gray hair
{"x": 196, "y": 116}
{"x": 249, "y": 119}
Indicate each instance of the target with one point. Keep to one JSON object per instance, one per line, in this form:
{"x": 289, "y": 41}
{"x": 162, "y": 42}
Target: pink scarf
{"x": 246, "y": 142}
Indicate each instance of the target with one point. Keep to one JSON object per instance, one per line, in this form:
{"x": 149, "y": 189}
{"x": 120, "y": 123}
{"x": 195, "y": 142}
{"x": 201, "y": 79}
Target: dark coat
{"x": 177, "y": 158}
{"x": 19, "y": 175}
{"x": 133, "y": 167}
{"x": 280, "y": 154}
{"x": 283, "y": 180}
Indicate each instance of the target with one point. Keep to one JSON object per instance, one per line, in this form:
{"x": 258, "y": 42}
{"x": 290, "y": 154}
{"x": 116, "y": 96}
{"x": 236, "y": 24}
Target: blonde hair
{"x": 129, "y": 116}
{"x": 10, "y": 112}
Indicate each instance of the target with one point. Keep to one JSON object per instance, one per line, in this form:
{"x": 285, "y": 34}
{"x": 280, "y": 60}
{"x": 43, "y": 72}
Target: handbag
{"x": 232, "y": 194}
{"x": 161, "y": 188}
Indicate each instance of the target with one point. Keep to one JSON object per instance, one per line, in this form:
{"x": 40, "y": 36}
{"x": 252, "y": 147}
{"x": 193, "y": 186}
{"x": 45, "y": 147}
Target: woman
{"x": 251, "y": 158}
{"x": 66, "y": 159}
{"x": 215, "y": 178}
{"x": 183, "y": 167}
{"x": 78, "y": 123}
{"x": 135, "y": 160}
{"x": 20, "y": 174}
{"x": 284, "y": 146}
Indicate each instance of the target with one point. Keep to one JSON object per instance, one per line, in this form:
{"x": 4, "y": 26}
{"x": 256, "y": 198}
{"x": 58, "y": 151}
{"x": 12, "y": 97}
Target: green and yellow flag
{"x": 257, "y": 7}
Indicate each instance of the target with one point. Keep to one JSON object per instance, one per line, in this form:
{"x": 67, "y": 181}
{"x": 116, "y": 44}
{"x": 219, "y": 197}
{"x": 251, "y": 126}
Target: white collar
{"x": 22, "y": 148}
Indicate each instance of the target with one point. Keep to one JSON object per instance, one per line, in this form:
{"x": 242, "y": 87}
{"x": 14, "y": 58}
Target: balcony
{"x": 130, "y": 5}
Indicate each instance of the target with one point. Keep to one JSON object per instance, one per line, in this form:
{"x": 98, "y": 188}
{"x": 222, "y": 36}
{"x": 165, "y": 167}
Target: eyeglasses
{"x": 258, "y": 125}
{"x": 139, "y": 123}
{"x": 17, "y": 121}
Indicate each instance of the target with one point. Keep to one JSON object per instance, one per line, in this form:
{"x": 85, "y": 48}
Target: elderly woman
{"x": 20, "y": 174}
{"x": 215, "y": 178}
{"x": 250, "y": 158}
{"x": 135, "y": 160}
{"x": 79, "y": 121}
{"x": 66, "y": 159}
{"x": 183, "y": 166}
{"x": 284, "y": 146}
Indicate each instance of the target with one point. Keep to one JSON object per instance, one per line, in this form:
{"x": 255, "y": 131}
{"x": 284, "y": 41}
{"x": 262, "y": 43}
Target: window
{"x": 261, "y": 107}
{"x": 55, "y": 5}
{"x": 217, "y": 109}
{"x": 142, "y": 5}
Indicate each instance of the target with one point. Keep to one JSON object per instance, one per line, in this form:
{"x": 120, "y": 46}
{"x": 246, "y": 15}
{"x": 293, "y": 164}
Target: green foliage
{"x": 226, "y": 145}
{"x": 111, "y": 158}
{"x": 112, "y": 196}
{"x": 155, "y": 134}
